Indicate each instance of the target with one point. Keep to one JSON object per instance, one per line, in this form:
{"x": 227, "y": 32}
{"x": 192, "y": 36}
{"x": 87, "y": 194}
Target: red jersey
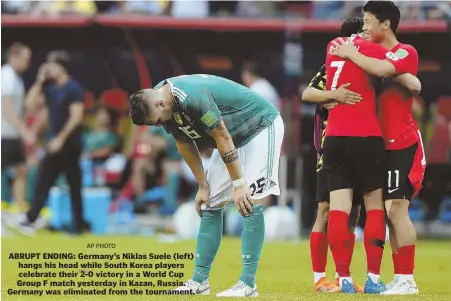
{"x": 359, "y": 120}
{"x": 398, "y": 126}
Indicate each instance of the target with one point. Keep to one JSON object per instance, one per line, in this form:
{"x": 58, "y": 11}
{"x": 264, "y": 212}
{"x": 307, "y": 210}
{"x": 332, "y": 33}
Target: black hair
{"x": 350, "y": 26}
{"x": 138, "y": 108}
{"x": 384, "y": 10}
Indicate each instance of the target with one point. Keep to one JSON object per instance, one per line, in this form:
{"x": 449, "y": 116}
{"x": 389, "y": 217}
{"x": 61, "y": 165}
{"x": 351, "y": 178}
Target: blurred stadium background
{"x": 139, "y": 185}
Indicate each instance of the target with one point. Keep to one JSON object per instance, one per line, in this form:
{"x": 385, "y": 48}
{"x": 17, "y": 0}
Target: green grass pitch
{"x": 284, "y": 272}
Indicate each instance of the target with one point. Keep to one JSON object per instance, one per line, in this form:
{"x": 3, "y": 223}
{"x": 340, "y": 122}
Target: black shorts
{"x": 13, "y": 152}
{"x": 400, "y": 162}
{"x": 357, "y": 163}
{"x": 322, "y": 189}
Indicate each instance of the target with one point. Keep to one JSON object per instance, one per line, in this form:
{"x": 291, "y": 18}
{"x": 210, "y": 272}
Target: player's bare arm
{"x": 341, "y": 95}
{"x": 377, "y": 67}
{"x": 230, "y": 157}
{"x": 410, "y": 82}
{"x": 35, "y": 97}
{"x": 189, "y": 152}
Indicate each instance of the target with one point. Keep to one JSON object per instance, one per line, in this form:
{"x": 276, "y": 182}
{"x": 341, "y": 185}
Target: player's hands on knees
{"x": 202, "y": 197}
{"x": 345, "y": 96}
{"x": 242, "y": 200}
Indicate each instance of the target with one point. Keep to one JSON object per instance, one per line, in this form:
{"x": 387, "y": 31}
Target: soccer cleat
{"x": 357, "y": 287}
{"x": 392, "y": 283}
{"x": 195, "y": 287}
{"x": 240, "y": 289}
{"x": 373, "y": 288}
{"x": 403, "y": 287}
{"x": 347, "y": 287}
{"x": 323, "y": 285}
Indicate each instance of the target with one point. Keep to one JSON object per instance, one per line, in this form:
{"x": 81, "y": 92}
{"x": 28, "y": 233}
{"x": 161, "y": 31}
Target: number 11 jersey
{"x": 359, "y": 120}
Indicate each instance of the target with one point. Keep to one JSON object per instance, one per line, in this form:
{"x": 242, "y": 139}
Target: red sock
{"x": 351, "y": 250}
{"x": 395, "y": 258}
{"x": 128, "y": 190}
{"x": 339, "y": 241}
{"x": 318, "y": 251}
{"x": 406, "y": 258}
{"x": 374, "y": 240}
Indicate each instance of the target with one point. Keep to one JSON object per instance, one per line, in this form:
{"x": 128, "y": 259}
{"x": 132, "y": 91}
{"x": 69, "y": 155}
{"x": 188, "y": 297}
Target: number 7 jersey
{"x": 203, "y": 101}
{"x": 359, "y": 120}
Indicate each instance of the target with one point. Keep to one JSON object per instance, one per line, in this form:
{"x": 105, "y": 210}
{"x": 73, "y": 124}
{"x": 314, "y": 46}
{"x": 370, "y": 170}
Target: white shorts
{"x": 259, "y": 160}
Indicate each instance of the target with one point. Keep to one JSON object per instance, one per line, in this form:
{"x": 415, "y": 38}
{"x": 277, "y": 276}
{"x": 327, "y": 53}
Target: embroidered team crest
{"x": 178, "y": 118}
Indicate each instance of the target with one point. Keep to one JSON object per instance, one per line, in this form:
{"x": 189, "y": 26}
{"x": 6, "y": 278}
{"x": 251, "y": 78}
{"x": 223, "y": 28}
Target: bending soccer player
{"x": 406, "y": 161}
{"x": 316, "y": 92}
{"x": 247, "y": 132}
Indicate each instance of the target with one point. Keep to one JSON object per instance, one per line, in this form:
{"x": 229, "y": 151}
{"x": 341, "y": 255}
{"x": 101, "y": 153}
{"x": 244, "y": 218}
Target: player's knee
{"x": 218, "y": 206}
{"x": 373, "y": 200}
{"x": 323, "y": 212}
{"x": 264, "y": 201}
{"x": 399, "y": 210}
{"x": 341, "y": 200}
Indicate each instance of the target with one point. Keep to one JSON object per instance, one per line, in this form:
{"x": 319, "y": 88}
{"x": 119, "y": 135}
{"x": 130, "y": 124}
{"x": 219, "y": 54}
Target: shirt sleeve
{"x": 405, "y": 60}
{"x": 7, "y": 82}
{"x": 77, "y": 94}
{"x": 319, "y": 81}
{"x": 201, "y": 106}
{"x": 373, "y": 50}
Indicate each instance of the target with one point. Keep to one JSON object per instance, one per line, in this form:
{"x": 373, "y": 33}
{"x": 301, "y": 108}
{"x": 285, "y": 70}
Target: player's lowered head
{"x": 380, "y": 20}
{"x": 350, "y": 26}
{"x": 151, "y": 107}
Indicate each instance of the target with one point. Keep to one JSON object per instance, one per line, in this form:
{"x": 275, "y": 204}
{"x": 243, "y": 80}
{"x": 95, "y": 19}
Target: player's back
{"x": 359, "y": 119}
{"x": 244, "y": 112}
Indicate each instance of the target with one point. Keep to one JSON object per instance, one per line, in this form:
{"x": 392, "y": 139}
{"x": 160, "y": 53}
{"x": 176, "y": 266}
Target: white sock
{"x": 375, "y": 278}
{"x": 318, "y": 276}
{"x": 406, "y": 278}
{"x": 336, "y": 275}
{"x": 349, "y": 279}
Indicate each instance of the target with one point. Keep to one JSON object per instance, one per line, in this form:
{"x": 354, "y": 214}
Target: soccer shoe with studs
{"x": 323, "y": 285}
{"x": 357, "y": 287}
{"x": 195, "y": 287}
{"x": 240, "y": 289}
{"x": 403, "y": 287}
{"x": 391, "y": 284}
{"x": 373, "y": 287}
{"x": 347, "y": 287}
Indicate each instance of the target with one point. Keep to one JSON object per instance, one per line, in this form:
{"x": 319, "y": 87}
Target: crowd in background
{"x": 338, "y": 10}
{"x": 142, "y": 165}
{"x": 50, "y": 138}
